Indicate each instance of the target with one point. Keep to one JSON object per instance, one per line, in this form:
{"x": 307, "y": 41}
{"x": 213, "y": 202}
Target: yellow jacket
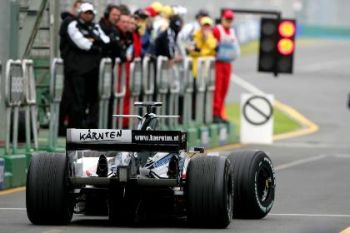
{"x": 205, "y": 48}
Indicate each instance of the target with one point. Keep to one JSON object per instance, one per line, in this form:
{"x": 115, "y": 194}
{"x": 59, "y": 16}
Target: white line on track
{"x": 246, "y": 85}
{"x": 299, "y": 162}
{"x": 314, "y": 215}
{"x": 53, "y": 231}
{"x": 21, "y": 209}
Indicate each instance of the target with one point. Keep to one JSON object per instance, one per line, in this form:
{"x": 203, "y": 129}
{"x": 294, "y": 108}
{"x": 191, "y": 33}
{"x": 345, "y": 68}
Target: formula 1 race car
{"x": 132, "y": 175}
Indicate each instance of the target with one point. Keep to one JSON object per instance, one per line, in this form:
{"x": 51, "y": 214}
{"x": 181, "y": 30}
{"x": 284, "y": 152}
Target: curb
{"x": 309, "y": 127}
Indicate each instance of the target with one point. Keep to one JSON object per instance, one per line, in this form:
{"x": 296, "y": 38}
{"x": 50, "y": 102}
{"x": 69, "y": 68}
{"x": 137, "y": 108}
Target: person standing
{"x": 108, "y": 23}
{"x": 67, "y": 17}
{"x": 228, "y": 51}
{"x": 185, "y": 37}
{"x": 126, "y": 38}
{"x": 165, "y": 44}
{"x": 204, "y": 43}
{"x": 140, "y": 16}
{"x": 85, "y": 49}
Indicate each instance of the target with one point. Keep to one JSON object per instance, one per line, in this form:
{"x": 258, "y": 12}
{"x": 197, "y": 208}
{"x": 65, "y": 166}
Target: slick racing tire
{"x": 47, "y": 194}
{"x": 254, "y": 184}
{"x": 209, "y": 192}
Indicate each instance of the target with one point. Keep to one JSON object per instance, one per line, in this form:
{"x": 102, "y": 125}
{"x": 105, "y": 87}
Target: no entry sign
{"x": 257, "y": 110}
{"x": 257, "y": 118}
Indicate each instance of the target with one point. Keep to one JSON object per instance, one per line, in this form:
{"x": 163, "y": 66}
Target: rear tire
{"x": 209, "y": 192}
{"x": 47, "y": 191}
{"x": 254, "y": 180}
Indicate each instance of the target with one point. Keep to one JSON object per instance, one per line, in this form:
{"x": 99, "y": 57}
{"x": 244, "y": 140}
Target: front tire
{"x": 209, "y": 192}
{"x": 47, "y": 191}
{"x": 254, "y": 180}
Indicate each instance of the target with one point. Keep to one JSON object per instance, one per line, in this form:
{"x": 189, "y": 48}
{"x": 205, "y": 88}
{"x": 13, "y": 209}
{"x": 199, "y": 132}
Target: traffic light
{"x": 285, "y": 46}
{"x": 267, "y": 51}
{"x": 277, "y": 45}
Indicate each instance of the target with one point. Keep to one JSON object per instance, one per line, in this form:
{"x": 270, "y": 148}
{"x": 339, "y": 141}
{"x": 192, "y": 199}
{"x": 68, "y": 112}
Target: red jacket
{"x": 137, "y": 44}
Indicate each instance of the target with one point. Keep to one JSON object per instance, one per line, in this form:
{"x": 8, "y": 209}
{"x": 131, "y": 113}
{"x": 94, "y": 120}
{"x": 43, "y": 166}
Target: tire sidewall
{"x": 263, "y": 162}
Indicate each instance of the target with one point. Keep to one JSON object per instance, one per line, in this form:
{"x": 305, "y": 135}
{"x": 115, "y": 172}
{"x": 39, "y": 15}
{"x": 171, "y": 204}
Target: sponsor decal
{"x": 107, "y": 135}
{"x": 157, "y": 137}
{"x": 96, "y": 135}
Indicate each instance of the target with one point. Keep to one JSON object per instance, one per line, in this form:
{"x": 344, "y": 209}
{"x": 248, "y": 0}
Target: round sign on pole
{"x": 257, "y": 118}
{"x": 257, "y": 110}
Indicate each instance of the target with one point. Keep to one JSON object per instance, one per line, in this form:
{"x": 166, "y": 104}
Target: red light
{"x": 285, "y": 46}
{"x": 286, "y": 29}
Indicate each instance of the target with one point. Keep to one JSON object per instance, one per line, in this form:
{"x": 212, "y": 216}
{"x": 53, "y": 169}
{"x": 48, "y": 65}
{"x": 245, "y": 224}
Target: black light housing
{"x": 277, "y": 45}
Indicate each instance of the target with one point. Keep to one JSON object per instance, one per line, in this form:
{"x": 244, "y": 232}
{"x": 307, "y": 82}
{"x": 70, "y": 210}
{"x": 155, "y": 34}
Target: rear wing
{"x": 125, "y": 140}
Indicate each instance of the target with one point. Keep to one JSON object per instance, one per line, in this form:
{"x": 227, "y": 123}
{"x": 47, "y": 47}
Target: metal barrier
{"x": 174, "y": 95}
{"x": 0, "y": 79}
{"x": 105, "y": 90}
{"x": 30, "y": 105}
{"x": 162, "y": 82}
{"x": 209, "y": 72}
{"x": 187, "y": 85}
{"x": 201, "y": 88}
{"x": 136, "y": 68}
{"x": 14, "y": 95}
{"x": 119, "y": 91}
{"x": 148, "y": 71}
{"x": 56, "y": 91}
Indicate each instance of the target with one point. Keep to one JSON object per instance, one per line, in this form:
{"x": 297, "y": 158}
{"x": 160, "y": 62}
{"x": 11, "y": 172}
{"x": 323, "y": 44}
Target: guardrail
{"x": 105, "y": 91}
{"x": 209, "y": 72}
{"x": 174, "y": 95}
{"x": 30, "y": 105}
{"x": 150, "y": 80}
{"x": 188, "y": 89}
{"x": 14, "y": 95}
{"x": 200, "y": 82}
{"x": 135, "y": 87}
{"x": 162, "y": 86}
{"x": 119, "y": 91}
{"x": 56, "y": 92}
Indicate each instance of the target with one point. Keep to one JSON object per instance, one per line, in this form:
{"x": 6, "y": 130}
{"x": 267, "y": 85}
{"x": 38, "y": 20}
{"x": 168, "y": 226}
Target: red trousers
{"x": 222, "y": 83}
{"x": 125, "y": 67}
{"x": 126, "y": 107}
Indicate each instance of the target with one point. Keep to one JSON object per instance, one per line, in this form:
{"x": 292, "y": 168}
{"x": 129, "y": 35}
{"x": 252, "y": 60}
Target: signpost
{"x": 257, "y": 119}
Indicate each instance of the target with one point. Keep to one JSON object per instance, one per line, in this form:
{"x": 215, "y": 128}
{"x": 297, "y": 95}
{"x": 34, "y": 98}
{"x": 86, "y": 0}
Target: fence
{"x": 156, "y": 80}
{"x": 56, "y": 92}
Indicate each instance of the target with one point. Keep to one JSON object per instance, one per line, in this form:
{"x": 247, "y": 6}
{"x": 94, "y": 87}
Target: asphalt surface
{"x": 312, "y": 172}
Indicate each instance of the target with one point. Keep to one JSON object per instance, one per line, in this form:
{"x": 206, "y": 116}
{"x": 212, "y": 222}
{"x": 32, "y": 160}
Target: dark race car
{"x": 133, "y": 175}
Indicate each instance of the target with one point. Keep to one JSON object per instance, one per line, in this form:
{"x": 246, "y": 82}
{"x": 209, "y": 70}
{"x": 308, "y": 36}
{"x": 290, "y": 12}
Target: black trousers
{"x": 83, "y": 111}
